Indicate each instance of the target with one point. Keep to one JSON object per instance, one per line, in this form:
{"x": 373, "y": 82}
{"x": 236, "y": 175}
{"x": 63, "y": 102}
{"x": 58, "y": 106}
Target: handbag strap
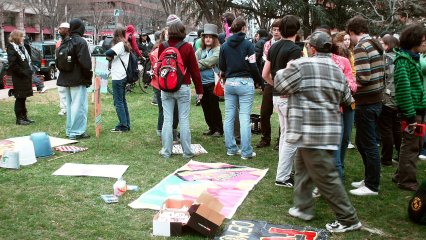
{"x": 122, "y": 63}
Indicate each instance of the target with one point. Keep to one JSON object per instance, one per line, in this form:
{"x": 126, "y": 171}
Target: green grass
{"x": 36, "y": 205}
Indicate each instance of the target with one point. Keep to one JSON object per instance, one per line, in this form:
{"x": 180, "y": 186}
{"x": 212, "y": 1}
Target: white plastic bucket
{"x": 26, "y": 151}
{"x": 10, "y": 160}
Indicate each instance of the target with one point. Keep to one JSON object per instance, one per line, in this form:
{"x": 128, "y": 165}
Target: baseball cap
{"x": 321, "y": 41}
{"x": 64, "y": 25}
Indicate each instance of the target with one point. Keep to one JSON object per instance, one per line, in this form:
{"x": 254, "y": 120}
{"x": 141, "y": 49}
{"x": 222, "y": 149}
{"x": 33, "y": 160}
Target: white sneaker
{"x": 351, "y": 146}
{"x": 316, "y": 193}
{"x": 358, "y": 184}
{"x": 363, "y": 191}
{"x": 62, "y": 113}
{"x": 295, "y": 212}
{"x": 337, "y": 227}
{"x": 233, "y": 154}
{"x": 252, "y": 156}
{"x": 422, "y": 157}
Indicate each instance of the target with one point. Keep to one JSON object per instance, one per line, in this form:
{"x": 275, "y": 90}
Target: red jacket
{"x": 191, "y": 65}
{"x": 131, "y": 30}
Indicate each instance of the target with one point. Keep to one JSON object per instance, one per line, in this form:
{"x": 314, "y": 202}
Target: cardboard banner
{"x": 260, "y": 230}
{"x": 92, "y": 170}
{"x": 229, "y": 184}
{"x": 100, "y": 65}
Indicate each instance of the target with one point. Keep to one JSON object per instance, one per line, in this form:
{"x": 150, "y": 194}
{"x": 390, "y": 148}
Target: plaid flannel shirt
{"x": 316, "y": 87}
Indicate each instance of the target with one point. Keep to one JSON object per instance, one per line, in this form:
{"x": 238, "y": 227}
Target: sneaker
{"x": 217, "y": 134}
{"x": 358, "y": 184}
{"x": 422, "y": 157}
{"x": 233, "y": 154}
{"x": 43, "y": 90}
{"x": 316, "y": 193}
{"x": 263, "y": 143}
{"x": 208, "y": 133}
{"x": 363, "y": 191}
{"x": 154, "y": 103}
{"x": 337, "y": 227}
{"x": 351, "y": 146}
{"x": 77, "y": 137}
{"x": 252, "y": 156}
{"x": 289, "y": 183}
{"x": 116, "y": 130}
{"x": 295, "y": 212}
{"x": 63, "y": 112}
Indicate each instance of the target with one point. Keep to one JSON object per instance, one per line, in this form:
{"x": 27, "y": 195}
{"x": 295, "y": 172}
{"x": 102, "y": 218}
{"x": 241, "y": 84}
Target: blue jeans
{"x": 238, "y": 91}
{"x": 423, "y": 151}
{"x": 366, "y": 119}
{"x": 183, "y": 99}
{"x": 77, "y": 107}
{"x": 160, "y": 118}
{"x": 120, "y": 103}
{"x": 347, "y": 123}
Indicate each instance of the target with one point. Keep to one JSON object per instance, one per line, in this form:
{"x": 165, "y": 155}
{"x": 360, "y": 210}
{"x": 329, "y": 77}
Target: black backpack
{"x": 132, "y": 71}
{"x": 65, "y": 59}
{"x": 417, "y": 205}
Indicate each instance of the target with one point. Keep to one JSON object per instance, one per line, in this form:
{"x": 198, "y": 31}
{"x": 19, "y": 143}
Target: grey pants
{"x": 317, "y": 167}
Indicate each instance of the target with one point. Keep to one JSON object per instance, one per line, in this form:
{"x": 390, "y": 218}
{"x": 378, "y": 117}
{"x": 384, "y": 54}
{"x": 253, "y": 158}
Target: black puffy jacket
{"x": 21, "y": 73}
{"x": 82, "y": 72}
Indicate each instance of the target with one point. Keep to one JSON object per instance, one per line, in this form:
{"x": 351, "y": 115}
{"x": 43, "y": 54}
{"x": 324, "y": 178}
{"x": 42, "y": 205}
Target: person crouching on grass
{"x": 119, "y": 57}
{"x": 316, "y": 87}
{"x": 208, "y": 59}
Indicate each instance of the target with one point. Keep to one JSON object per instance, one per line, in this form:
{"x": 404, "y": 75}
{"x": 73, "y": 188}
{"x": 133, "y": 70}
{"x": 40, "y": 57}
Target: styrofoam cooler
{"x": 42, "y": 146}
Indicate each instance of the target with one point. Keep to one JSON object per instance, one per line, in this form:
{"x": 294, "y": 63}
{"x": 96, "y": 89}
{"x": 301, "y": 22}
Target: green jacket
{"x": 409, "y": 90}
{"x": 210, "y": 62}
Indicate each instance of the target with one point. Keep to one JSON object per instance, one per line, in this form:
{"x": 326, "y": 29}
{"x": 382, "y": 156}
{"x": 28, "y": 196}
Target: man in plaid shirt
{"x": 317, "y": 87}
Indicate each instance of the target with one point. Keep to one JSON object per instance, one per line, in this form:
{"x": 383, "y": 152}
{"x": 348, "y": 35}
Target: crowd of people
{"x": 320, "y": 88}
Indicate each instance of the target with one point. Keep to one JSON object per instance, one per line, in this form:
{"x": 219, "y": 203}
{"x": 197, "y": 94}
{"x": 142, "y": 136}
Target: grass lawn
{"x": 36, "y": 205}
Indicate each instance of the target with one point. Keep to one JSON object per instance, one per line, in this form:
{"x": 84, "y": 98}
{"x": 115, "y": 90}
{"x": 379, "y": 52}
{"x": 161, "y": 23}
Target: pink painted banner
{"x": 230, "y": 184}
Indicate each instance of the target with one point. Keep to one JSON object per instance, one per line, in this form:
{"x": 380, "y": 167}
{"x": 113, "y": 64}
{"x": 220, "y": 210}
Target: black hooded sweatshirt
{"x": 82, "y": 72}
{"x": 234, "y": 58}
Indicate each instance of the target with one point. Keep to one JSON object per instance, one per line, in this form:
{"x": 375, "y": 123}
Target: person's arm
{"x": 85, "y": 61}
{"x": 403, "y": 91}
{"x": 210, "y": 61}
{"x": 346, "y": 96}
{"x": 254, "y": 70}
{"x": 266, "y": 73}
{"x": 193, "y": 69}
{"x": 135, "y": 47}
{"x": 362, "y": 66}
{"x": 222, "y": 62}
{"x": 286, "y": 80}
{"x": 347, "y": 71}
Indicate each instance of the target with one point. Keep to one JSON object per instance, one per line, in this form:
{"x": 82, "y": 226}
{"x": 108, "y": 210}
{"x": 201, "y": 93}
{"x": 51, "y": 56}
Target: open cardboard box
{"x": 171, "y": 218}
{"x": 205, "y": 215}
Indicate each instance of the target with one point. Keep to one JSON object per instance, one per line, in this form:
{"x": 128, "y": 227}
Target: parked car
{"x": 3, "y": 67}
{"x": 96, "y": 50}
{"x": 107, "y": 43}
{"x": 43, "y": 57}
{"x": 3, "y": 54}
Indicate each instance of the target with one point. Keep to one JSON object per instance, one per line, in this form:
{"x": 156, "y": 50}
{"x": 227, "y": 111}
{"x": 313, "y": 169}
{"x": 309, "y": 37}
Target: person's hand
{"x": 199, "y": 97}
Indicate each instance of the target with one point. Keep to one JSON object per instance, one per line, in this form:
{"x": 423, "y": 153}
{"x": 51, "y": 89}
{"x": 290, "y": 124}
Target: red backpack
{"x": 170, "y": 68}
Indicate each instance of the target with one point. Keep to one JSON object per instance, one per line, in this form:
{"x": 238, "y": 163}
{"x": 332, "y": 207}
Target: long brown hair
{"x": 119, "y": 36}
{"x": 215, "y": 42}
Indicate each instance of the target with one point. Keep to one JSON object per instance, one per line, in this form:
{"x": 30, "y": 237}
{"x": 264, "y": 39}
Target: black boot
{"x": 21, "y": 121}
{"x": 25, "y": 117}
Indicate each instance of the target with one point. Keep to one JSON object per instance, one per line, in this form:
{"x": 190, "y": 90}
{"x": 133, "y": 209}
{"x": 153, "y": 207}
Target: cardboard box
{"x": 171, "y": 218}
{"x": 205, "y": 215}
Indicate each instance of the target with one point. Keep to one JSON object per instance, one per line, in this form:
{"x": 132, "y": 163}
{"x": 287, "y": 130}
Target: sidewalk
{"x": 48, "y": 84}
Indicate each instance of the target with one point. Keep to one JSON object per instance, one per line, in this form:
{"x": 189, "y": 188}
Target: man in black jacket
{"x": 76, "y": 81}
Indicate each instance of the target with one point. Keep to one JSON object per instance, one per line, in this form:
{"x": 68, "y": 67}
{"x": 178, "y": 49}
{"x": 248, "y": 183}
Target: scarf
{"x": 24, "y": 55}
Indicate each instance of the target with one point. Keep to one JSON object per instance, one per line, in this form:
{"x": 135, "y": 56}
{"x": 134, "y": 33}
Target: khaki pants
{"x": 317, "y": 167}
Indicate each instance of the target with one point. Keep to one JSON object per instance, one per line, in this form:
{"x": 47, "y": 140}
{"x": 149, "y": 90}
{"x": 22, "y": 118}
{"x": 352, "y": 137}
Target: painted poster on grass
{"x": 261, "y": 230}
{"x": 229, "y": 184}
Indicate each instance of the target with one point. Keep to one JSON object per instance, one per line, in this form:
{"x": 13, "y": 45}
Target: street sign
{"x": 117, "y": 12}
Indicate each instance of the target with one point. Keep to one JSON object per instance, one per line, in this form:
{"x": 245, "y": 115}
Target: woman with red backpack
{"x": 181, "y": 94}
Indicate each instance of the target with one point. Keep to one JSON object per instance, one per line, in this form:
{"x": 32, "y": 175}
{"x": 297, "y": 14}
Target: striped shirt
{"x": 316, "y": 87}
{"x": 369, "y": 66}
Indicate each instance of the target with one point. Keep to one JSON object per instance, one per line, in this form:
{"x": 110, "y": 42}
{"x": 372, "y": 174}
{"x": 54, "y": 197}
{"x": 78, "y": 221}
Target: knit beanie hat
{"x": 172, "y": 19}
